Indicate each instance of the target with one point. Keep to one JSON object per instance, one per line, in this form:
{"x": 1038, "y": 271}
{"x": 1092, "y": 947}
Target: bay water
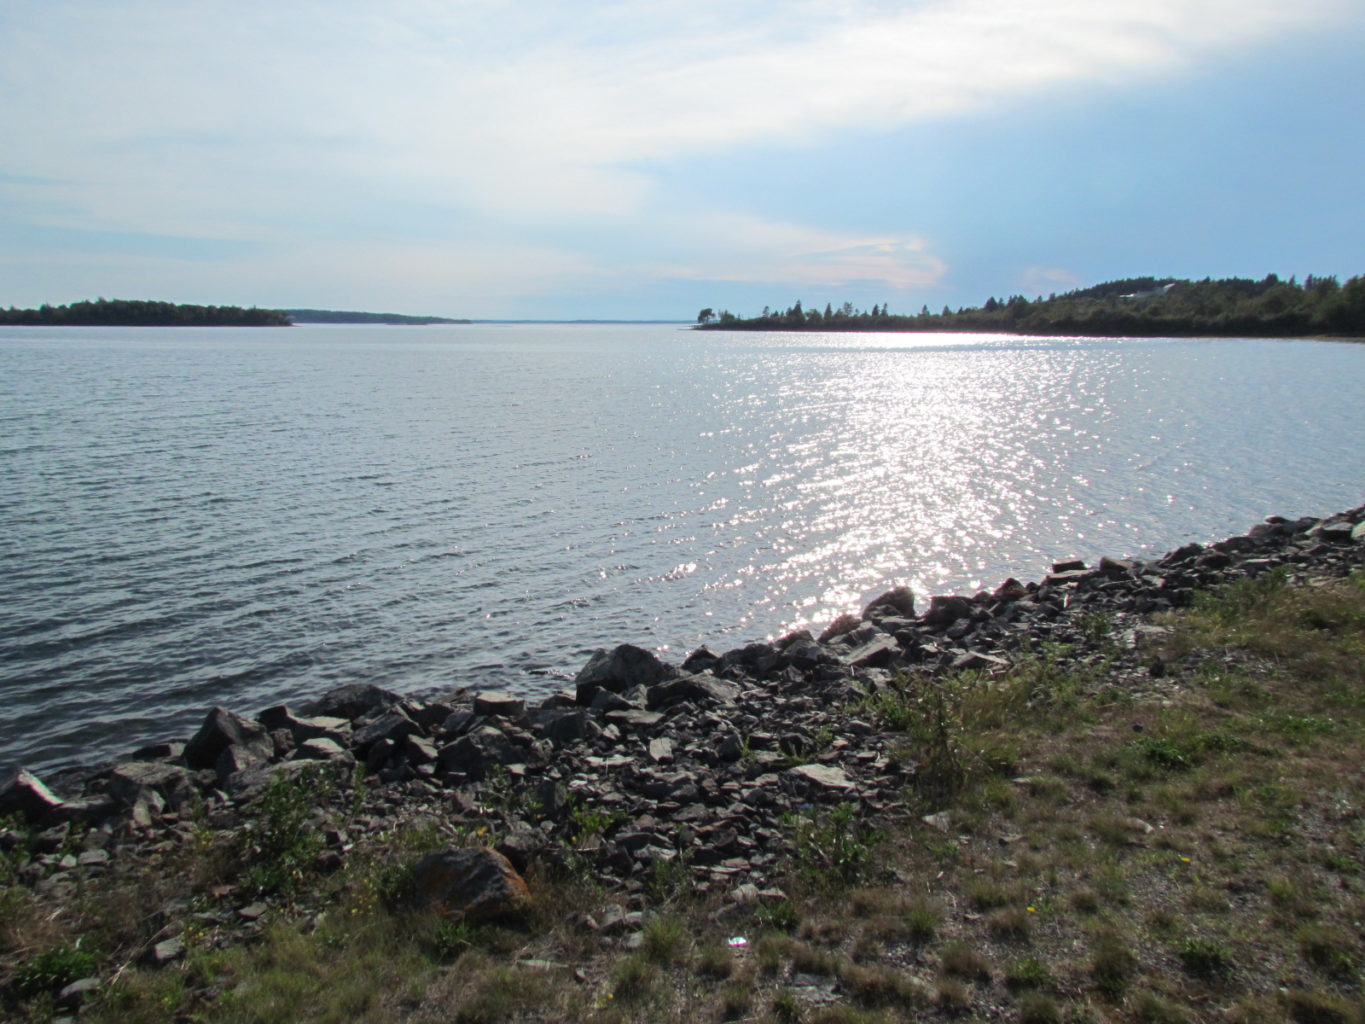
{"x": 193, "y": 517}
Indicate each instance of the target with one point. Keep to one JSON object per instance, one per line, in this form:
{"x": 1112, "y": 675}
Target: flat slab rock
{"x": 823, "y": 775}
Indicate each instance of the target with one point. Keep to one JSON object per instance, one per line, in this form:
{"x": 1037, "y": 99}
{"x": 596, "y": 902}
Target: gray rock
{"x": 320, "y": 749}
{"x": 691, "y": 688}
{"x": 878, "y": 652}
{"x": 133, "y": 781}
{"x": 394, "y": 726}
{"x": 467, "y": 883}
{"x": 499, "y": 704}
{"x": 620, "y": 669}
{"x": 898, "y": 601}
{"x": 352, "y": 702}
{"x": 23, "y": 793}
{"x": 222, "y": 729}
{"x": 824, "y": 776}
{"x": 947, "y": 609}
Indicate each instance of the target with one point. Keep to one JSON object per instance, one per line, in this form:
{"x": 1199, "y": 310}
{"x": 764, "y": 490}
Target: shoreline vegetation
{"x": 1133, "y": 307}
{"x": 141, "y": 313}
{"x": 1125, "y": 792}
{"x": 339, "y": 316}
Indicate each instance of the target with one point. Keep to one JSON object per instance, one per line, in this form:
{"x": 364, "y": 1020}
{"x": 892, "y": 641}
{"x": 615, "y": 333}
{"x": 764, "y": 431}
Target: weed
{"x": 634, "y": 979}
{"x": 962, "y": 961}
{"x": 1029, "y": 973}
{"x": 1204, "y": 958}
{"x": 786, "y": 1006}
{"x": 921, "y": 921}
{"x": 279, "y": 842}
{"x": 1037, "y": 1008}
{"x": 1149, "y": 1008}
{"x": 735, "y": 1000}
{"x": 1329, "y": 949}
{"x": 1010, "y": 923}
{"x": 952, "y": 995}
{"x": 53, "y": 969}
{"x": 1112, "y": 965}
{"x": 832, "y": 849}
{"x": 1307, "y": 1007}
{"x": 665, "y": 940}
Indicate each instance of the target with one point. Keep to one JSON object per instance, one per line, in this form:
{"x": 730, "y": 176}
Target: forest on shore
{"x": 1138, "y": 306}
{"x": 142, "y": 313}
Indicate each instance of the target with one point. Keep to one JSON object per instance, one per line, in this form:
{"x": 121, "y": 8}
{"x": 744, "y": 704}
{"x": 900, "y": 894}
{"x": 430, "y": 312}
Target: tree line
{"x": 1137, "y": 306}
{"x": 142, "y": 313}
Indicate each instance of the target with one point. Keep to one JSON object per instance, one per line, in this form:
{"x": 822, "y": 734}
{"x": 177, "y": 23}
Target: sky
{"x": 539, "y": 159}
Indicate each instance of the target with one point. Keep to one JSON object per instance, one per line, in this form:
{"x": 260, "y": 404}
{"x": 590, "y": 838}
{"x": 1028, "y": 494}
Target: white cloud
{"x": 255, "y": 119}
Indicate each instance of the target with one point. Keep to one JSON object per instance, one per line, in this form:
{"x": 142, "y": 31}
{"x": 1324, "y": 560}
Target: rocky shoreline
{"x": 643, "y": 769}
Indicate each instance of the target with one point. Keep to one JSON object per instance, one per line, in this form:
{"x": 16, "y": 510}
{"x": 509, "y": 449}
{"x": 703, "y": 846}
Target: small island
{"x": 1133, "y": 307}
{"x": 142, "y": 313}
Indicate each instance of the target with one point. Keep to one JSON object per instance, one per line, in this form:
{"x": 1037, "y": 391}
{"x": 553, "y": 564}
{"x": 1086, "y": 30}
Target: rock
{"x": 977, "y": 660}
{"x": 824, "y": 776}
{"x": 661, "y": 750}
{"x": 620, "y": 669}
{"x": 302, "y": 729}
{"x": 222, "y": 729}
{"x": 133, "y": 782}
{"x": 475, "y": 884}
{"x": 691, "y": 688}
{"x": 165, "y": 952}
{"x": 320, "y": 749}
{"x": 478, "y": 751}
{"x": 1338, "y": 532}
{"x": 167, "y": 751}
{"x": 944, "y": 610}
{"x": 1358, "y": 532}
{"x": 23, "y": 793}
{"x": 73, "y": 995}
{"x": 1072, "y": 565}
{"x": 499, "y": 704}
{"x": 352, "y": 702}
{"x": 843, "y": 624}
{"x": 878, "y": 652}
{"x": 900, "y": 601}
{"x": 394, "y": 726}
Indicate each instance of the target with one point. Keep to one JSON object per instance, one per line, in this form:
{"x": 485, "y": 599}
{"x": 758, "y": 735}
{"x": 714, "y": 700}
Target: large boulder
{"x": 691, "y": 688}
{"x": 474, "y": 884}
{"x": 899, "y": 601}
{"x": 222, "y": 729}
{"x": 352, "y": 702}
{"x": 24, "y": 794}
{"x": 944, "y": 610}
{"x": 620, "y": 669}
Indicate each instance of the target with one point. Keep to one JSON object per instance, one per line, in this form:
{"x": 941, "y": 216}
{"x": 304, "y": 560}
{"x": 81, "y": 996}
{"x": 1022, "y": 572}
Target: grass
{"x": 1184, "y": 849}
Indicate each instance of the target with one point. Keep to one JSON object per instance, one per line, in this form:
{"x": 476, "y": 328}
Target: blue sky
{"x": 491, "y": 158}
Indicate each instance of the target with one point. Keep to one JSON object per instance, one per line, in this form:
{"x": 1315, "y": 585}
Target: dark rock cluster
{"x": 644, "y": 770}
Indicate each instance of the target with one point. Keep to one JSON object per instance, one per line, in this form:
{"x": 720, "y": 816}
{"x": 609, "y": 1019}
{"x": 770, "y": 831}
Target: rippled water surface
{"x": 246, "y": 517}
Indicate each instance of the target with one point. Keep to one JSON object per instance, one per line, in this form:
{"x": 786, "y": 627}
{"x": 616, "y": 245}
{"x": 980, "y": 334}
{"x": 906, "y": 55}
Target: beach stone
{"x": 877, "y": 652}
{"x": 944, "y": 610}
{"x": 845, "y": 623}
{"x": 822, "y": 775}
{"x": 900, "y": 600}
{"x": 691, "y": 688}
{"x": 320, "y": 748}
{"x": 499, "y": 704}
{"x": 222, "y": 729}
{"x": 394, "y": 726}
{"x": 134, "y": 782}
{"x": 475, "y": 884}
{"x": 23, "y": 793}
{"x": 478, "y": 751}
{"x": 352, "y": 701}
{"x": 620, "y": 669}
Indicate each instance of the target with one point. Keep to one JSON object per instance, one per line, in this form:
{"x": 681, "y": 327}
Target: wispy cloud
{"x": 255, "y": 120}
